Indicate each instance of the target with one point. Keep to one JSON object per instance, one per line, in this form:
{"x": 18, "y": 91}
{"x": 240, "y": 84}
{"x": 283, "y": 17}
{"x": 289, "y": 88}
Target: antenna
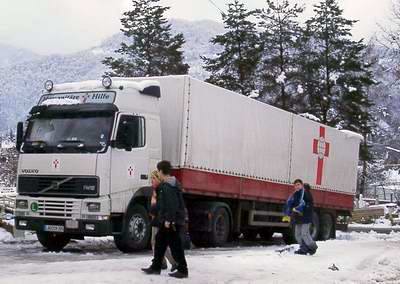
{"x": 216, "y": 6}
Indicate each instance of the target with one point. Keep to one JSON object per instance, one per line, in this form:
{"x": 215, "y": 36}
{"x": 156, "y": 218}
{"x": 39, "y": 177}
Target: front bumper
{"x": 101, "y": 227}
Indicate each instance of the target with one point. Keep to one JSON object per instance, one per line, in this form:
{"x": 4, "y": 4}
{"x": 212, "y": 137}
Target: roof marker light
{"x": 107, "y": 82}
{"x": 48, "y": 85}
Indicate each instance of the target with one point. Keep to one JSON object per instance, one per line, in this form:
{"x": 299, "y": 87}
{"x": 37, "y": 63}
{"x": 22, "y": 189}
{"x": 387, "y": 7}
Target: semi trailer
{"x": 87, "y": 150}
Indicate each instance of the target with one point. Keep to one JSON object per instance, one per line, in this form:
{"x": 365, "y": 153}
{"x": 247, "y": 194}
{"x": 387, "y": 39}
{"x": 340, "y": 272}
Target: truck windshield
{"x": 68, "y": 134}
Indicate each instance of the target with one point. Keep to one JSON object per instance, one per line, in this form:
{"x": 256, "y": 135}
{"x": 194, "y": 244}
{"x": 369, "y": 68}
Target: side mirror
{"x": 20, "y": 135}
{"x": 125, "y": 136}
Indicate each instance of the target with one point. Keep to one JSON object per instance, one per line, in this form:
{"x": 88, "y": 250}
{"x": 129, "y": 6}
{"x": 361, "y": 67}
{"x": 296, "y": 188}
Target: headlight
{"x": 93, "y": 206}
{"x": 48, "y": 85}
{"x": 22, "y": 204}
{"x": 107, "y": 82}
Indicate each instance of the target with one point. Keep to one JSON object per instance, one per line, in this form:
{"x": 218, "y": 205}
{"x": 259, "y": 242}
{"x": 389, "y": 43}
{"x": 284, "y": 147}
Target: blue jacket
{"x": 306, "y": 207}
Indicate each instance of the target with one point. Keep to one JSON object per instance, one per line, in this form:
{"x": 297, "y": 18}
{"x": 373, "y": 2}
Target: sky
{"x": 66, "y": 26}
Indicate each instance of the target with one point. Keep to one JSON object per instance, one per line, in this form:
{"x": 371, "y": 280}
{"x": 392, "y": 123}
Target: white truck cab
{"x": 86, "y": 153}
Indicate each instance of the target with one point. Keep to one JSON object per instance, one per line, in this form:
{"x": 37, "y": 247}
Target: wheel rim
{"x": 137, "y": 228}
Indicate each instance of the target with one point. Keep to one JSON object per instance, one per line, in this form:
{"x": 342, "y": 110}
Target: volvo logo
{"x": 30, "y": 171}
{"x": 55, "y": 185}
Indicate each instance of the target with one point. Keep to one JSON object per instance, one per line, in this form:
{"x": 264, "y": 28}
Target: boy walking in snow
{"x": 171, "y": 217}
{"x": 301, "y": 212}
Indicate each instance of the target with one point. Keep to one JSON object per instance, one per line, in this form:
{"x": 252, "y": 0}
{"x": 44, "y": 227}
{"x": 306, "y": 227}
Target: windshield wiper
{"x": 36, "y": 144}
{"x": 71, "y": 143}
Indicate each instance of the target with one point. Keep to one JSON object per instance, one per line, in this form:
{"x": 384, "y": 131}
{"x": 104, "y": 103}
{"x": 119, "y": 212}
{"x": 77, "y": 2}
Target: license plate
{"x": 54, "y": 228}
{"x": 71, "y": 224}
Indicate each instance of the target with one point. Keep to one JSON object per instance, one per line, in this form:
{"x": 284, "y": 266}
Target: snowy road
{"x": 361, "y": 258}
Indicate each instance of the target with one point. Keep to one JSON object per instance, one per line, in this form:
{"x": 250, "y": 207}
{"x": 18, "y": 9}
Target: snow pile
{"x": 147, "y": 83}
{"x": 352, "y": 89}
{"x": 5, "y": 236}
{"x": 7, "y": 144}
{"x": 281, "y": 78}
{"x": 58, "y": 101}
{"x": 334, "y": 77}
{"x": 369, "y": 236}
{"x": 254, "y": 94}
{"x": 392, "y": 176}
{"x": 310, "y": 116}
{"x": 300, "y": 89}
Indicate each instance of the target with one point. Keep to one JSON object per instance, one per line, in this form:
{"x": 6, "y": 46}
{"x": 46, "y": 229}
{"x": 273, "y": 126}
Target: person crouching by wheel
{"x": 155, "y": 182}
{"x": 171, "y": 217}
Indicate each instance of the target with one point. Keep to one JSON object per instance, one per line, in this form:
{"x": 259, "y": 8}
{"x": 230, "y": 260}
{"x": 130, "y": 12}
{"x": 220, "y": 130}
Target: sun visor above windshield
{"x": 83, "y": 109}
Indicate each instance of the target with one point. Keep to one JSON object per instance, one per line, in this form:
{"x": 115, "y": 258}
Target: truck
{"x": 87, "y": 150}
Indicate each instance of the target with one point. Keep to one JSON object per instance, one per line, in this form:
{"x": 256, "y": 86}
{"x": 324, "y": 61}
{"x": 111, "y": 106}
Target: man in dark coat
{"x": 302, "y": 215}
{"x": 171, "y": 217}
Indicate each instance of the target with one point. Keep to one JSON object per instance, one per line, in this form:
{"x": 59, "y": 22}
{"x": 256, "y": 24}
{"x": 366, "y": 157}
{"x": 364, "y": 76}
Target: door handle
{"x": 144, "y": 177}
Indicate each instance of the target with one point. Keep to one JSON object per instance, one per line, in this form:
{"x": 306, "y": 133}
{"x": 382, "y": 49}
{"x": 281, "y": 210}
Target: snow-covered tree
{"x": 153, "y": 50}
{"x": 334, "y": 75}
{"x": 278, "y": 69}
{"x": 235, "y": 66}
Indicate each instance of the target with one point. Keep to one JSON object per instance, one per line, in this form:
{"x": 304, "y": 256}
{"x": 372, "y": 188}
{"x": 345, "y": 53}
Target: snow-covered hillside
{"x": 22, "y": 73}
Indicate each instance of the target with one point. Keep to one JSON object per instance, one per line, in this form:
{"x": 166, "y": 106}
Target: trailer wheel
{"x": 220, "y": 229}
{"x": 315, "y": 226}
{"x": 137, "y": 231}
{"x": 52, "y": 241}
{"x": 326, "y": 227}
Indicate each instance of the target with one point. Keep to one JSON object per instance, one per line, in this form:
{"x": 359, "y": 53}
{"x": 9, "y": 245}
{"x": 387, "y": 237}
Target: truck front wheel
{"x": 136, "y": 230}
{"x": 52, "y": 241}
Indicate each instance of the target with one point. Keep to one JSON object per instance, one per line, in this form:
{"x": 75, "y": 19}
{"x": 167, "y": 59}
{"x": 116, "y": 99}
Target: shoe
{"x": 174, "y": 267}
{"x": 301, "y": 252}
{"x": 150, "y": 270}
{"x": 312, "y": 251}
{"x": 179, "y": 275}
{"x": 164, "y": 266}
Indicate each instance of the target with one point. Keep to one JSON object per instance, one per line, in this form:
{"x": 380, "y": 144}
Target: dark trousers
{"x": 169, "y": 238}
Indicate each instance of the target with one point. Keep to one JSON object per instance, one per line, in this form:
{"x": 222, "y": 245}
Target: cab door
{"x": 129, "y": 159}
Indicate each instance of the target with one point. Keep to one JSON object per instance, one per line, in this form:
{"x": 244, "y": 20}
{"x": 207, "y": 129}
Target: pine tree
{"x": 338, "y": 79}
{"x": 332, "y": 68}
{"x": 234, "y": 68}
{"x": 278, "y": 70}
{"x": 152, "y": 49}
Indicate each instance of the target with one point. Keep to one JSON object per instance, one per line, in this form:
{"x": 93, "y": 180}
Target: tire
{"x": 250, "y": 235}
{"x": 315, "y": 227}
{"x": 266, "y": 234}
{"x": 136, "y": 230}
{"x": 52, "y": 241}
{"x": 326, "y": 227}
{"x": 220, "y": 230}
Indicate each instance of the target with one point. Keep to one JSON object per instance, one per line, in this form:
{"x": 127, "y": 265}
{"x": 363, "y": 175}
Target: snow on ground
{"x": 360, "y": 257}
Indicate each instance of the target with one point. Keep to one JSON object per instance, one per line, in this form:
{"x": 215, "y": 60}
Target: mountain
{"x": 10, "y": 55}
{"x": 23, "y": 73}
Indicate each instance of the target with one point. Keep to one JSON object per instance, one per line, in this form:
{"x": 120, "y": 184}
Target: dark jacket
{"x": 170, "y": 204}
{"x": 307, "y": 211}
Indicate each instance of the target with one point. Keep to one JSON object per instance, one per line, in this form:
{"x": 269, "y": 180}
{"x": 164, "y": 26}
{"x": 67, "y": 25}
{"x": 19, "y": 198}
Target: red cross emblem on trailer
{"x": 56, "y": 164}
{"x": 131, "y": 171}
{"x": 321, "y": 148}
